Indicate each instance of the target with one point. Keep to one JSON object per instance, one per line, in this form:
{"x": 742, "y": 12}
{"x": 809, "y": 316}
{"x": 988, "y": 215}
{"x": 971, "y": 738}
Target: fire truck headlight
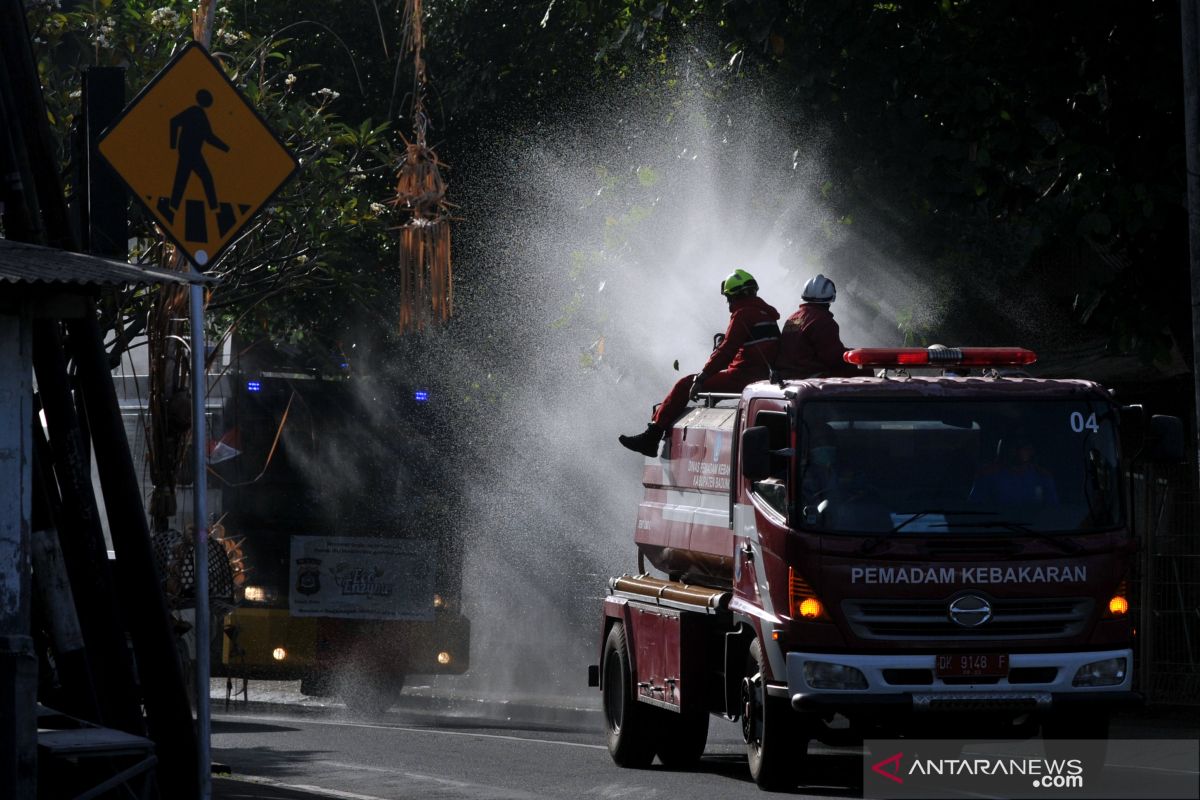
{"x": 810, "y": 608}
{"x": 1118, "y": 604}
{"x": 824, "y": 675}
{"x": 443, "y": 658}
{"x": 279, "y": 654}
{"x": 802, "y": 600}
{"x": 1108, "y": 672}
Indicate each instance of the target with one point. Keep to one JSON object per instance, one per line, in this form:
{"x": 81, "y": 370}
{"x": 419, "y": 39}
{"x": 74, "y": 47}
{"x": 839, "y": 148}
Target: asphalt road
{"x": 432, "y": 753}
{"x": 403, "y": 755}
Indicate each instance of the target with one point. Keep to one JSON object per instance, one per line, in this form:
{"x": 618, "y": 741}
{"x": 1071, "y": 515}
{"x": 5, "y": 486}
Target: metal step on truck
{"x": 897, "y": 554}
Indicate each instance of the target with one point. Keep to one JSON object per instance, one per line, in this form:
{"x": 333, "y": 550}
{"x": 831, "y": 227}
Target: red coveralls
{"x": 751, "y": 342}
{"x": 811, "y": 344}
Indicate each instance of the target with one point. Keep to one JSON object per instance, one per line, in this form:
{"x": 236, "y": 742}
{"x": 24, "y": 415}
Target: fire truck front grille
{"x": 924, "y": 677}
{"x": 976, "y": 703}
{"x": 893, "y": 619}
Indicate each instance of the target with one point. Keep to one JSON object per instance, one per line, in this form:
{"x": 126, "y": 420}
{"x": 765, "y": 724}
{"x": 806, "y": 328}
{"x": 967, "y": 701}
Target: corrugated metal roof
{"x": 33, "y": 264}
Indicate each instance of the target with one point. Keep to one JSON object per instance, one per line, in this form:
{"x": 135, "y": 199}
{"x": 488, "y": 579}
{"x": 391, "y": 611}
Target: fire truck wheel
{"x": 630, "y": 738}
{"x": 681, "y": 737}
{"x": 775, "y": 747}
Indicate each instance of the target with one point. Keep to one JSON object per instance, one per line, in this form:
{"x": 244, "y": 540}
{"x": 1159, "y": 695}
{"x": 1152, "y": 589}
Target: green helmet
{"x": 739, "y": 281}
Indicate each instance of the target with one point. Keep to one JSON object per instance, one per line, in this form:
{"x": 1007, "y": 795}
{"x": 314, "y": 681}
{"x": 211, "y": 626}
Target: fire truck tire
{"x": 681, "y": 737}
{"x": 630, "y": 724}
{"x": 775, "y": 746}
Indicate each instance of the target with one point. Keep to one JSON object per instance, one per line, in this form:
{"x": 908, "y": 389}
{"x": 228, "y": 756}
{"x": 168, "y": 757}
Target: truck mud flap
{"x": 737, "y": 649}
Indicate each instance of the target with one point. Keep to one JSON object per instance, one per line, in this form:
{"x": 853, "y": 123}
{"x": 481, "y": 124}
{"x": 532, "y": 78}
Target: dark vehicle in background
{"x": 334, "y": 558}
{"x": 329, "y": 493}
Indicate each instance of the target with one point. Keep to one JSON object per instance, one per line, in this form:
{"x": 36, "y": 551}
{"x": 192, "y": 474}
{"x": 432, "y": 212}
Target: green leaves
{"x": 321, "y": 241}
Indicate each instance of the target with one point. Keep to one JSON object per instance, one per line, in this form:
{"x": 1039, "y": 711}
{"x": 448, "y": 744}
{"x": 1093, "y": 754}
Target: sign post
{"x": 196, "y": 154}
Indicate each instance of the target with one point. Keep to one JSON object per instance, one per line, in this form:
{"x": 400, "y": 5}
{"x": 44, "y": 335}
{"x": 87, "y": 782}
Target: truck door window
{"x": 774, "y": 490}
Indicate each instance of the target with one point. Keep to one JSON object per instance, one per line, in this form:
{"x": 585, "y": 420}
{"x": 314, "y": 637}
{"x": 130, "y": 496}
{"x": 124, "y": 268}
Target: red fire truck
{"x": 889, "y": 555}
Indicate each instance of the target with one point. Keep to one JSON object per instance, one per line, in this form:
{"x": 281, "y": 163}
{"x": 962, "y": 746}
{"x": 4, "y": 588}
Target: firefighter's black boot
{"x": 645, "y": 442}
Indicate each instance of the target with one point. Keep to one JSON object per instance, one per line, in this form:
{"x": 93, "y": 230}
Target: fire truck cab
{"x": 886, "y": 555}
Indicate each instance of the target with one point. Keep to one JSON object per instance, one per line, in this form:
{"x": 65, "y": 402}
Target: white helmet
{"x": 819, "y": 290}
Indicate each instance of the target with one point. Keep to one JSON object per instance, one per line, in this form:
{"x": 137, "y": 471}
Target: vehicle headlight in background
{"x": 443, "y": 658}
{"x": 439, "y": 601}
{"x": 279, "y": 654}
{"x": 258, "y": 594}
{"x": 1109, "y": 672}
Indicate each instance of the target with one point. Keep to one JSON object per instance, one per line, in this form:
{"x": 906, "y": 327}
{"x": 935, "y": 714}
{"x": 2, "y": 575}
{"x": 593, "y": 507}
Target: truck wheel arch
{"x": 615, "y": 612}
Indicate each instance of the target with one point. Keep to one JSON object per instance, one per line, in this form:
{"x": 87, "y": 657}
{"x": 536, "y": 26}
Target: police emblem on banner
{"x": 308, "y": 575}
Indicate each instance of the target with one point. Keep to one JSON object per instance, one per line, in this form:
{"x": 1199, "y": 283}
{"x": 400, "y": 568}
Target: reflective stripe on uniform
{"x": 761, "y": 332}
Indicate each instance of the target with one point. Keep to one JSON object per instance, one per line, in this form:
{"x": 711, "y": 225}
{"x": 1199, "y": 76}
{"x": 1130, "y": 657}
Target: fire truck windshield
{"x": 953, "y": 466}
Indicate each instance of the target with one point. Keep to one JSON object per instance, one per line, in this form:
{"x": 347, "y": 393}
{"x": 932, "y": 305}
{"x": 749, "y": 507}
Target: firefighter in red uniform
{"x": 745, "y": 356}
{"x": 811, "y": 343}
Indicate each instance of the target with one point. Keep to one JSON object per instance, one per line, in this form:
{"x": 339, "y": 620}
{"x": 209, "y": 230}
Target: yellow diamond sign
{"x": 194, "y": 151}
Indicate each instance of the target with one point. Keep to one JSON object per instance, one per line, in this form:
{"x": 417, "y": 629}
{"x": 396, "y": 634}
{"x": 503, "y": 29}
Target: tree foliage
{"x": 314, "y": 249}
{"x": 1038, "y": 143}
{"x": 996, "y": 143}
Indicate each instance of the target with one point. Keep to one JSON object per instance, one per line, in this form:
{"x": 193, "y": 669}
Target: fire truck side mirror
{"x": 1133, "y": 428}
{"x": 756, "y": 453}
{"x": 1165, "y": 442}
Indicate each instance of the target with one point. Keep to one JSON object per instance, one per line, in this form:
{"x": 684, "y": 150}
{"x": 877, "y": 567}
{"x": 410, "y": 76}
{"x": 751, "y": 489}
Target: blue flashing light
{"x": 253, "y": 386}
{"x": 421, "y": 396}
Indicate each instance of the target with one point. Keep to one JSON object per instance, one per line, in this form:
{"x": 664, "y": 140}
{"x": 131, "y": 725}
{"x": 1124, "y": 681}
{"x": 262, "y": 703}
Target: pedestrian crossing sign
{"x": 194, "y": 151}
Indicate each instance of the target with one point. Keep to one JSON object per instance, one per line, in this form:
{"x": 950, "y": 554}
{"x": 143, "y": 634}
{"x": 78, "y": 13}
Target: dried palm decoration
{"x": 426, "y": 282}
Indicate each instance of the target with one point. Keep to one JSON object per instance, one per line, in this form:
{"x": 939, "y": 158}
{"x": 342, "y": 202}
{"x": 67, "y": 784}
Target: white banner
{"x": 358, "y": 578}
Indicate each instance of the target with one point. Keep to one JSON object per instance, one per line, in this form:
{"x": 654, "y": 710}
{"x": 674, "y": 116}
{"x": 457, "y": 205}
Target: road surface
{"x": 411, "y": 753}
{"x": 401, "y": 755}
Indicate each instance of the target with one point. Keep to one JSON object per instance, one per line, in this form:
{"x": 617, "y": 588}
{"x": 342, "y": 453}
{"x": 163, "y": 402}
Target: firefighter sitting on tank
{"x": 744, "y": 356}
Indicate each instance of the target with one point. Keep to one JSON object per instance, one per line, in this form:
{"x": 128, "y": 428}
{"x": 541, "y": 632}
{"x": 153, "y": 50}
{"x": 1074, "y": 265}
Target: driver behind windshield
{"x": 819, "y": 479}
{"x": 1015, "y": 479}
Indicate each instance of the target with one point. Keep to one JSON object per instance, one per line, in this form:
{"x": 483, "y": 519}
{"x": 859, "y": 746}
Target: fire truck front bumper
{"x": 906, "y": 684}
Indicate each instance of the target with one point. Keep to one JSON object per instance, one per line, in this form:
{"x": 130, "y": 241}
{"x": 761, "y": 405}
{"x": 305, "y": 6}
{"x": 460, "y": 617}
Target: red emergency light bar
{"x": 939, "y": 357}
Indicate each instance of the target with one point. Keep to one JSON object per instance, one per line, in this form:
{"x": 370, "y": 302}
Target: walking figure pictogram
{"x": 190, "y": 131}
